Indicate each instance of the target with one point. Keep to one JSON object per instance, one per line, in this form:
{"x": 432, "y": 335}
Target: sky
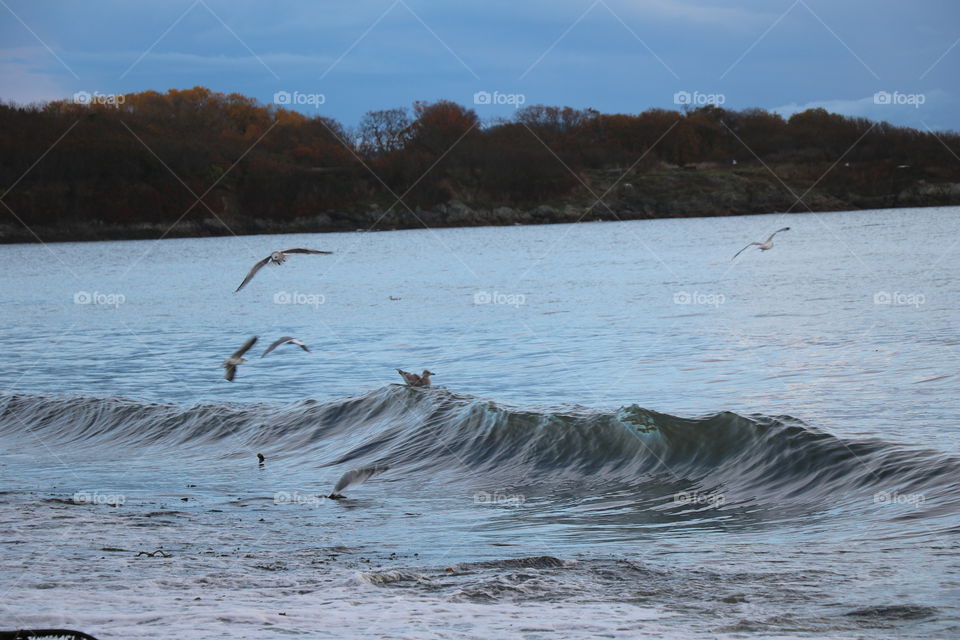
{"x": 881, "y": 59}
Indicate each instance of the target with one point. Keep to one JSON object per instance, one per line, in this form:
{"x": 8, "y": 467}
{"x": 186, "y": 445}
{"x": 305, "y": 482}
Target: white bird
{"x": 414, "y": 380}
{"x": 231, "y": 363}
{"x": 354, "y": 477}
{"x": 764, "y": 246}
{"x": 285, "y": 340}
{"x": 278, "y": 258}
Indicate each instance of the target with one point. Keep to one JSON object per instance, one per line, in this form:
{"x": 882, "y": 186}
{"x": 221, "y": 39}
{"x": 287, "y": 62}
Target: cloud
{"x": 28, "y": 76}
{"x": 867, "y": 107}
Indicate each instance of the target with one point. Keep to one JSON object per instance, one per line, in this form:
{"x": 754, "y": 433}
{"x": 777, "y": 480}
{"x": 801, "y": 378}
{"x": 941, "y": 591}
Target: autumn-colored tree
{"x": 441, "y": 125}
{"x": 151, "y": 155}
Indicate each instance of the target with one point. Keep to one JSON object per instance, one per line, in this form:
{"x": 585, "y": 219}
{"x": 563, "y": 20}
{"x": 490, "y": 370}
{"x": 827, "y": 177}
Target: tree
{"x": 384, "y": 131}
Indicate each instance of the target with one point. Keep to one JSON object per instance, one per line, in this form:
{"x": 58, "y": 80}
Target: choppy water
{"x": 629, "y": 434}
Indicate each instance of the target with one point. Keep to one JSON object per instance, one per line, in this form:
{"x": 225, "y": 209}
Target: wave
{"x": 449, "y": 437}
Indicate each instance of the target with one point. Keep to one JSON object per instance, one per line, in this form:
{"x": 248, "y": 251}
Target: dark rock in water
{"x": 894, "y": 612}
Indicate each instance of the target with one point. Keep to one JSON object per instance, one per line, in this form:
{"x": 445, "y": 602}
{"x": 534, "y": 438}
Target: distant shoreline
{"x": 200, "y": 163}
{"x": 648, "y": 196}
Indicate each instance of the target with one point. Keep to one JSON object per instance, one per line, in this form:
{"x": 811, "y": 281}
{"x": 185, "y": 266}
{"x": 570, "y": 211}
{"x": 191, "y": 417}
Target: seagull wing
{"x": 253, "y": 272}
{"x": 742, "y": 250}
{"x": 246, "y": 347}
{"x": 300, "y": 344}
{"x": 409, "y": 378}
{"x": 277, "y": 343}
{"x": 358, "y": 476}
{"x": 312, "y": 251}
{"x": 776, "y": 232}
{"x": 231, "y": 371}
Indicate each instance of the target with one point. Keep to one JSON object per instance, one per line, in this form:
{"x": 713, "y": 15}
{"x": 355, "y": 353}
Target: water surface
{"x": 629, "y": 433}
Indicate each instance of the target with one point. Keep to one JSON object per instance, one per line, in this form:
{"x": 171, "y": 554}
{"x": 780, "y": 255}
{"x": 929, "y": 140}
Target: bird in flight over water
{"x": 278, "y": 258}
{"x": 764, "y": 246}
{"x": 285, "y": 340}
{"x": 231, "y": 363}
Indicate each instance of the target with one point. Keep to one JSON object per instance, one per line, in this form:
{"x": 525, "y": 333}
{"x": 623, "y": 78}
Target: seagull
{"x": 277, "y": 257}
{"x": 414, "y": 380}
{"x": 231, "y": 363}
{"x": 286, "y": 340}
{"x": 354, "y": 477}
{"x": 767, "y": 244}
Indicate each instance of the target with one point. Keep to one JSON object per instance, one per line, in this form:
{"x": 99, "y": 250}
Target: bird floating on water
{"x": 414, "y": 380}
{"x": 764, "y": 246}
{"x": 354, "y": 477}
{"x": 231, "y": 363}
{"x": 285, "y": 340}
{"x": 278, "y": 258}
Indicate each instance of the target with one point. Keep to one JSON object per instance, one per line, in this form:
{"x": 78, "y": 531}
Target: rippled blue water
{"x": 849, "y": 324}
{"x": 595, "y": 318}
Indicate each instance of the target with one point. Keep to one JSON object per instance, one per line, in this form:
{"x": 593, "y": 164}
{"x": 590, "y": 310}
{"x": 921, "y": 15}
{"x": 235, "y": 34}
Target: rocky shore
{"x": 675, "y": 193}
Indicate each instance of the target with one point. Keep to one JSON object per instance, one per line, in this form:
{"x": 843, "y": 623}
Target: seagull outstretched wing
{"x": 312, "y": 251}
{"x": 356, "y": 476}
{"x": 776, "y": 232}
{"x": 246, "y": 347}
{"x": 285, "y": 340}
{"x": 744, "y": 249}
{"x": 253, "y": 272}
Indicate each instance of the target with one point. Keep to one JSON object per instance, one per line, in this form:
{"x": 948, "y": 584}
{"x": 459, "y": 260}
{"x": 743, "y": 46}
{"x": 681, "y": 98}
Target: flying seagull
{"x": 231, "y": 363}
{"x": 764, "y": 246}
{"x": 354, "y": 477}
{"x": 285, "y": 340}
{"x": 277, "y": 257}
{"x": 414, "y": 380}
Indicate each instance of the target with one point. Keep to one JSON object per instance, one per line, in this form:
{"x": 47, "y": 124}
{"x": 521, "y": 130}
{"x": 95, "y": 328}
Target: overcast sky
{"x": 344, "y": 58}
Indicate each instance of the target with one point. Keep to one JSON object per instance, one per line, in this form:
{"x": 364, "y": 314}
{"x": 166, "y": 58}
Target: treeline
{"x": 150, "y": 156}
